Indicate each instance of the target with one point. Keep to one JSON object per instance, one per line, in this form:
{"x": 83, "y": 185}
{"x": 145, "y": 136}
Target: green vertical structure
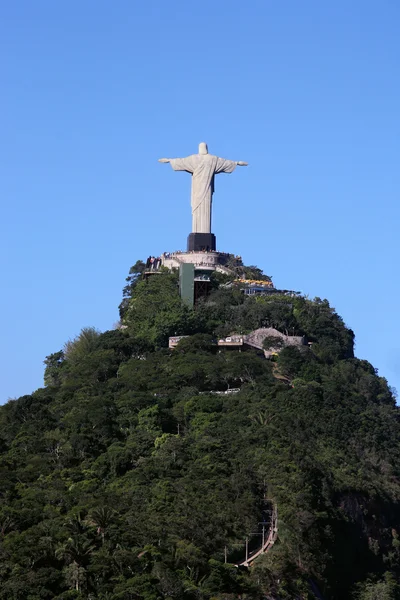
{"x": 186, "y": 283}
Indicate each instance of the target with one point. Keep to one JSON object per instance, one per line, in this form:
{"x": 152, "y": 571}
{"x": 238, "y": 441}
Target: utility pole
{"x": 226, "y": 554}
{"x": 247, "y": 549}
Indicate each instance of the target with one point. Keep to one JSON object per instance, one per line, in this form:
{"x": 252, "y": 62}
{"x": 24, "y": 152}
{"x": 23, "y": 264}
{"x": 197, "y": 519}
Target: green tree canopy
{"x": 138, "y": 470}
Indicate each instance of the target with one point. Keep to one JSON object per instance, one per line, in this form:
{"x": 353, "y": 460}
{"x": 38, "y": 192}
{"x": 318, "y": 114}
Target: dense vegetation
{"x": 127, "y": 477}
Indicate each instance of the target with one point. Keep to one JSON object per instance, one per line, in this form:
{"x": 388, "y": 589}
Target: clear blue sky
{"x": 94, "y": 92}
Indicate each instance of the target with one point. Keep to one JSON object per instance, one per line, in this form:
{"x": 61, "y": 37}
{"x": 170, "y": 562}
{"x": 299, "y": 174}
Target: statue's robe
{"x": 203, "y": 168}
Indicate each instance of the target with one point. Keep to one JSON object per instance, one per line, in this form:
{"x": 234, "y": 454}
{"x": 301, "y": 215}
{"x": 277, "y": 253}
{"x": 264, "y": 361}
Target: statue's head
{"x": 203, "y": 148}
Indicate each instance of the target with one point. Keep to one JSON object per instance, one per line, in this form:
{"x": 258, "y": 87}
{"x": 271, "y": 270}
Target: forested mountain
{"x": 128, "y": 477}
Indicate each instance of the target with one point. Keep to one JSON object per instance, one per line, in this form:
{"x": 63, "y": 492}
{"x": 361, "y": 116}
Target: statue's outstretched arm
{"x": 241, "y": 163}
{"x": 164, "y": 160}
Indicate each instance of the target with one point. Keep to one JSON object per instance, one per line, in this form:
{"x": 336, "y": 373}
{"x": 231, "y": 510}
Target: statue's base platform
{"x": 202, "y": 260}
{"x": 201, "y": 242}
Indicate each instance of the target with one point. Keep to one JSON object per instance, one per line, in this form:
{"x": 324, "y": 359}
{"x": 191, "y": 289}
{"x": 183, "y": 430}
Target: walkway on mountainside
{"x": 266, "y": 545}
{"x": 225, "y": 270}
{"x": 256, "y": 338}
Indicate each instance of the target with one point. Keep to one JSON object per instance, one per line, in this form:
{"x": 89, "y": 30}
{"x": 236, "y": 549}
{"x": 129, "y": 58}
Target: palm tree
{"x": 102, "y": 517}
{"x": 75, "y": 552}
{"x": 76, "y": 525}
{"x": 6, "y": 525}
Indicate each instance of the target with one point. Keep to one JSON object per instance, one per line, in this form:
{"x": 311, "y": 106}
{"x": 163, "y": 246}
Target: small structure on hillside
{"x": 256, "y": 288}
{"x": 234, "y": 342}
{"x": 173, "y": 341}
{"x": 276, "y": 341}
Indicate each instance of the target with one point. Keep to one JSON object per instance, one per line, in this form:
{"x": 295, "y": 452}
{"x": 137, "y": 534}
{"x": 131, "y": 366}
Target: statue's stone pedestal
{"x": 201, "y": 242}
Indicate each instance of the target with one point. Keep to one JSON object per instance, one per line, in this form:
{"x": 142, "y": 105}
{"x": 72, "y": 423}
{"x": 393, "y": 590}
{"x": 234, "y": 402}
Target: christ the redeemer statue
{"x": 203, "y": 167}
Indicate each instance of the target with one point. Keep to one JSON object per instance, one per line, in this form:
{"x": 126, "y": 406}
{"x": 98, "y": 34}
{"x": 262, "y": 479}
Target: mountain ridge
{"x": 127, "y": 477}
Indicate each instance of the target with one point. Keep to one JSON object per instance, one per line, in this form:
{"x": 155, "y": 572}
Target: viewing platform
{"x": 206, "y": 261}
